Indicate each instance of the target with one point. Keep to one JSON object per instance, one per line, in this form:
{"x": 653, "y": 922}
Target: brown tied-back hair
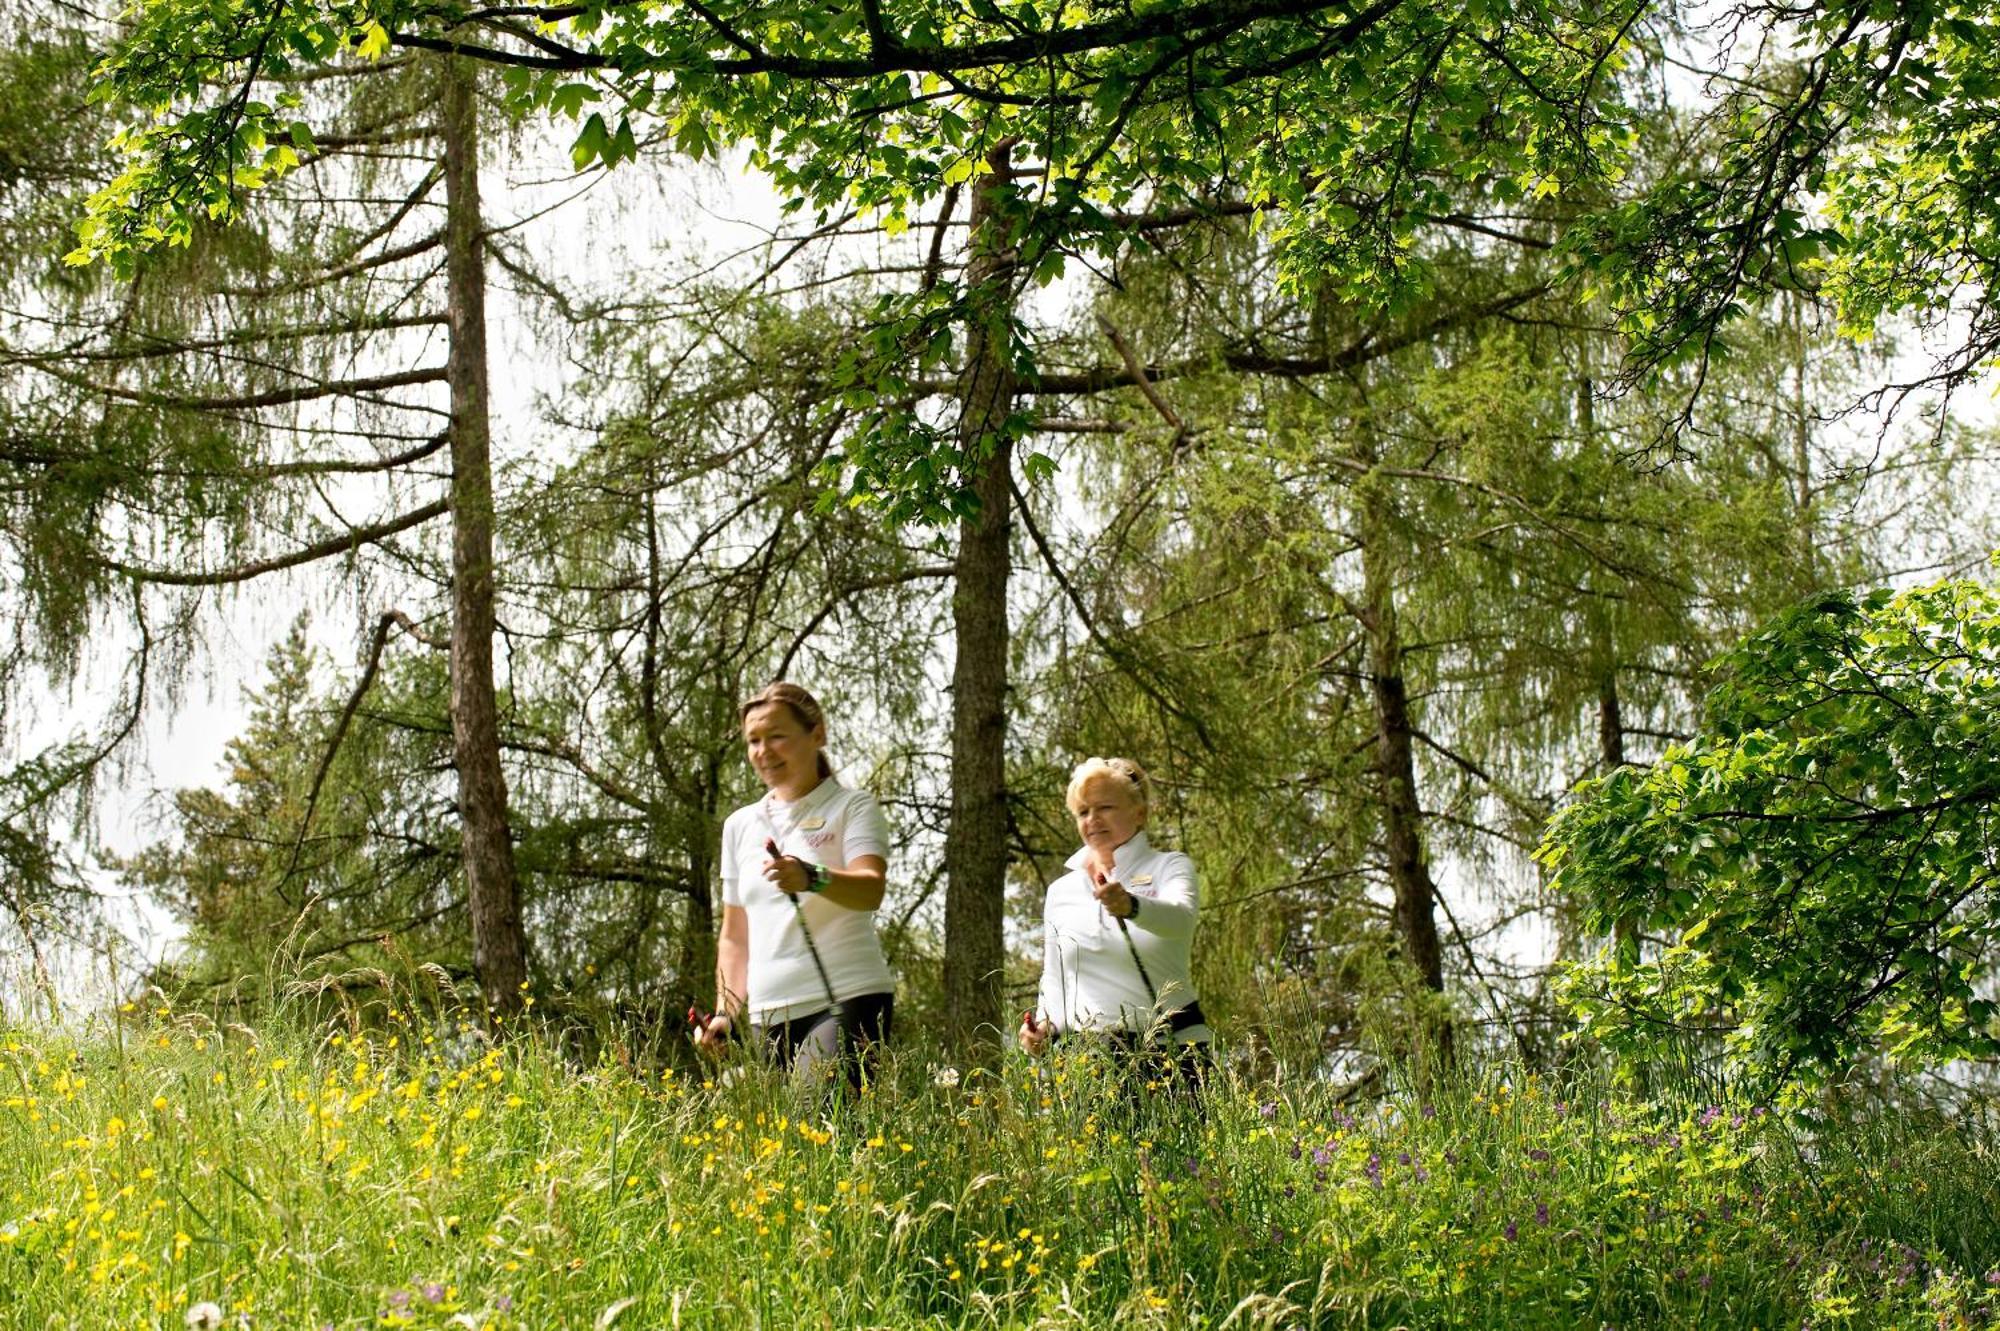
{"x": 802, "y": 704}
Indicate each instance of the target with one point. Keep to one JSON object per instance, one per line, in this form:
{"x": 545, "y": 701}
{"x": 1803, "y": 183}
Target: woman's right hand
{"x": 711, "y": 1035}
{"x": 1034, "y": 1036}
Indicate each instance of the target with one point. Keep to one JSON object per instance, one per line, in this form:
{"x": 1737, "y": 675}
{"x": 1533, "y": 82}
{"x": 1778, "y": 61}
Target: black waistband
{"x": 1176, "y": 1021}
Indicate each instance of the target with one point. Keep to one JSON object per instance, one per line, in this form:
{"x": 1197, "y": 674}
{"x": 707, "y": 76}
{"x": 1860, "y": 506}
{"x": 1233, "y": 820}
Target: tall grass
{"x": 412, "y": 1173}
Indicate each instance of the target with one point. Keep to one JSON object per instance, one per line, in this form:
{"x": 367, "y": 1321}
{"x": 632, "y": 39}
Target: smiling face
{"x": 1108, "y": 813}
{"x": 783, "y": 749}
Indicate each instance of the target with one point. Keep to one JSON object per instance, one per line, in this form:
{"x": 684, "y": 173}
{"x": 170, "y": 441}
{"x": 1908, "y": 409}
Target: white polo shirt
{"x": 833, "y": 826}
{"x": 1089, "y": 980}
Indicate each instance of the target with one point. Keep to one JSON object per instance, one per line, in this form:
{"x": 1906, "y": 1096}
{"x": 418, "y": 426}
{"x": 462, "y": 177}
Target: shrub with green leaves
{"x": 1820, "y": 866}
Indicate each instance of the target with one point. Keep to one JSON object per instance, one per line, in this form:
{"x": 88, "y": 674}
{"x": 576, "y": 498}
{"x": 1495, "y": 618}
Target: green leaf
{"x": 568, "y": 99}
{"x": 591, "y": 142}
{"x": 371, "y": 41}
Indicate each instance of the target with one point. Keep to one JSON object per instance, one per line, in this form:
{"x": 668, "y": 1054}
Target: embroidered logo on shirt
{"x": 823, "y": 839}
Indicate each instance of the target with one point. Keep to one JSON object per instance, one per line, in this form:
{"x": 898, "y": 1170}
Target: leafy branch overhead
{"x": 1357, "y": 123}
{"x": 1852, "y": 149}
{"x": 1822, "y": 863}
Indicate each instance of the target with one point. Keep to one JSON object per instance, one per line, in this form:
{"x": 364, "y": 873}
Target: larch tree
{"x": 234, "y": 410}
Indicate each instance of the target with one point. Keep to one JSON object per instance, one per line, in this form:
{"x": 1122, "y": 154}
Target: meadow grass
{"x": 412, "y": 1173}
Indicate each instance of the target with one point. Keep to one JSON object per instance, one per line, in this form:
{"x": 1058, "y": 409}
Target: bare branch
{"x": 342, "y": 544}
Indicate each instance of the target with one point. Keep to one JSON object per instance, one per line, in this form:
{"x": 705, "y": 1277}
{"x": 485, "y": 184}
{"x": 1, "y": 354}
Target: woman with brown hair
{"x": 803, "y": 872}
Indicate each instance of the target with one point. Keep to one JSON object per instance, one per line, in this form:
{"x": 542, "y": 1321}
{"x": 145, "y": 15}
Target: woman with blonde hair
{"x": 803, "y": 872}
{"x": 1118, "y": 928}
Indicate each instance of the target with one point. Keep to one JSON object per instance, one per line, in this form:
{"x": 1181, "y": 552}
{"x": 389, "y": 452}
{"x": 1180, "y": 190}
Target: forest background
{"x": 1377, "y": 428}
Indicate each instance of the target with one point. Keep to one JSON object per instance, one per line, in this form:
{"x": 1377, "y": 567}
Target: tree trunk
{"x": 1610, "y": 722}
{"x": 1395, "y": 765}
{"x": 701, "y": 789}
{"x": 499, "y": 946}
{"x": 697, "y": 959}
{"x": 1395, "y": 761}
{"x": 976, "y": 850}
{"x": 1604, "y": 652}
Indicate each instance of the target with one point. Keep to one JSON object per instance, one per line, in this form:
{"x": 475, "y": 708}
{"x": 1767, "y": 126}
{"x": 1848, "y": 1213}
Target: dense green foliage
{"x": 1836, "y": 146}
{"x": 1822, "y": 862}
{"x": 411, "y": 1174}
{"x": 884, "y": 107}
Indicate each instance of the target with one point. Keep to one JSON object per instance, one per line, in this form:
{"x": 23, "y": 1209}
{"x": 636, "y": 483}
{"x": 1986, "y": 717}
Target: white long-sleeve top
{"x": 1089, "y": 980}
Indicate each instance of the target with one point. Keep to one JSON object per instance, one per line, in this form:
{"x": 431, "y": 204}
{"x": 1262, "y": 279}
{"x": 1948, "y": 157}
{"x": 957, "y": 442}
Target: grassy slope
{"x": 398, "y": 1178}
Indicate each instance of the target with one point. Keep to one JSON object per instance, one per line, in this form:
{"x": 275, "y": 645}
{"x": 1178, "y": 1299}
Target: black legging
{"x": 1176, "y": 1067}
{"x": 848, "y": 1037}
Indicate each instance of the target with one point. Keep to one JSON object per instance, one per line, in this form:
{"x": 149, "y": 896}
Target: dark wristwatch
{"x": 816, "y": 876}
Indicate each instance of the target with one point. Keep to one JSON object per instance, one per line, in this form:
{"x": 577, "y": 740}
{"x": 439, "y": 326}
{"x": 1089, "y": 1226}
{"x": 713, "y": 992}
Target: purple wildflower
{"x": 1541, "y": 1213}
{"x": 1277, "y": 1236}
{"x": 433, "y": 1292}
{"x": 1269, "y": 1110}
{"x": 399, "y": 1298}
{"x": 1710, "y": 1115}
{"x": 505, "y": 1303}
{"x": 1374, "y": 1168}
{"x": 1538, "y": 1154}
{"x": 1323, "y": 1155}
{"x": 1297, "y": 1151}
{"x": 1512, "y": 1231}
{"x": 1290, "y": 1192}
{"x": 1430, "y": 1111}
{"x": 1993, "y": 1276}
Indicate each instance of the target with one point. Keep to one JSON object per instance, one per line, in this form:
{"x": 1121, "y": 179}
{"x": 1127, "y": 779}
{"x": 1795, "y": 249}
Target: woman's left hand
{"x": 787, "y": 873}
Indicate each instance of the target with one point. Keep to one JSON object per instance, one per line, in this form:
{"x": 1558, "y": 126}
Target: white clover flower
{"x": 205, "y": 1316}
{"x": 945, "y": 1077}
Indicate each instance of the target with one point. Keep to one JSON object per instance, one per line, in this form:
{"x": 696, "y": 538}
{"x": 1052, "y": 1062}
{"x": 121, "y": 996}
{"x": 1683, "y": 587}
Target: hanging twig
{"x": 1144, "y": 384}
{"x": 389, "y": 619}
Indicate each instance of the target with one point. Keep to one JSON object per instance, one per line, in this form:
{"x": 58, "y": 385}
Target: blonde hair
{"x": 1122, "y": 770}
{"x": 801, "y": 704}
